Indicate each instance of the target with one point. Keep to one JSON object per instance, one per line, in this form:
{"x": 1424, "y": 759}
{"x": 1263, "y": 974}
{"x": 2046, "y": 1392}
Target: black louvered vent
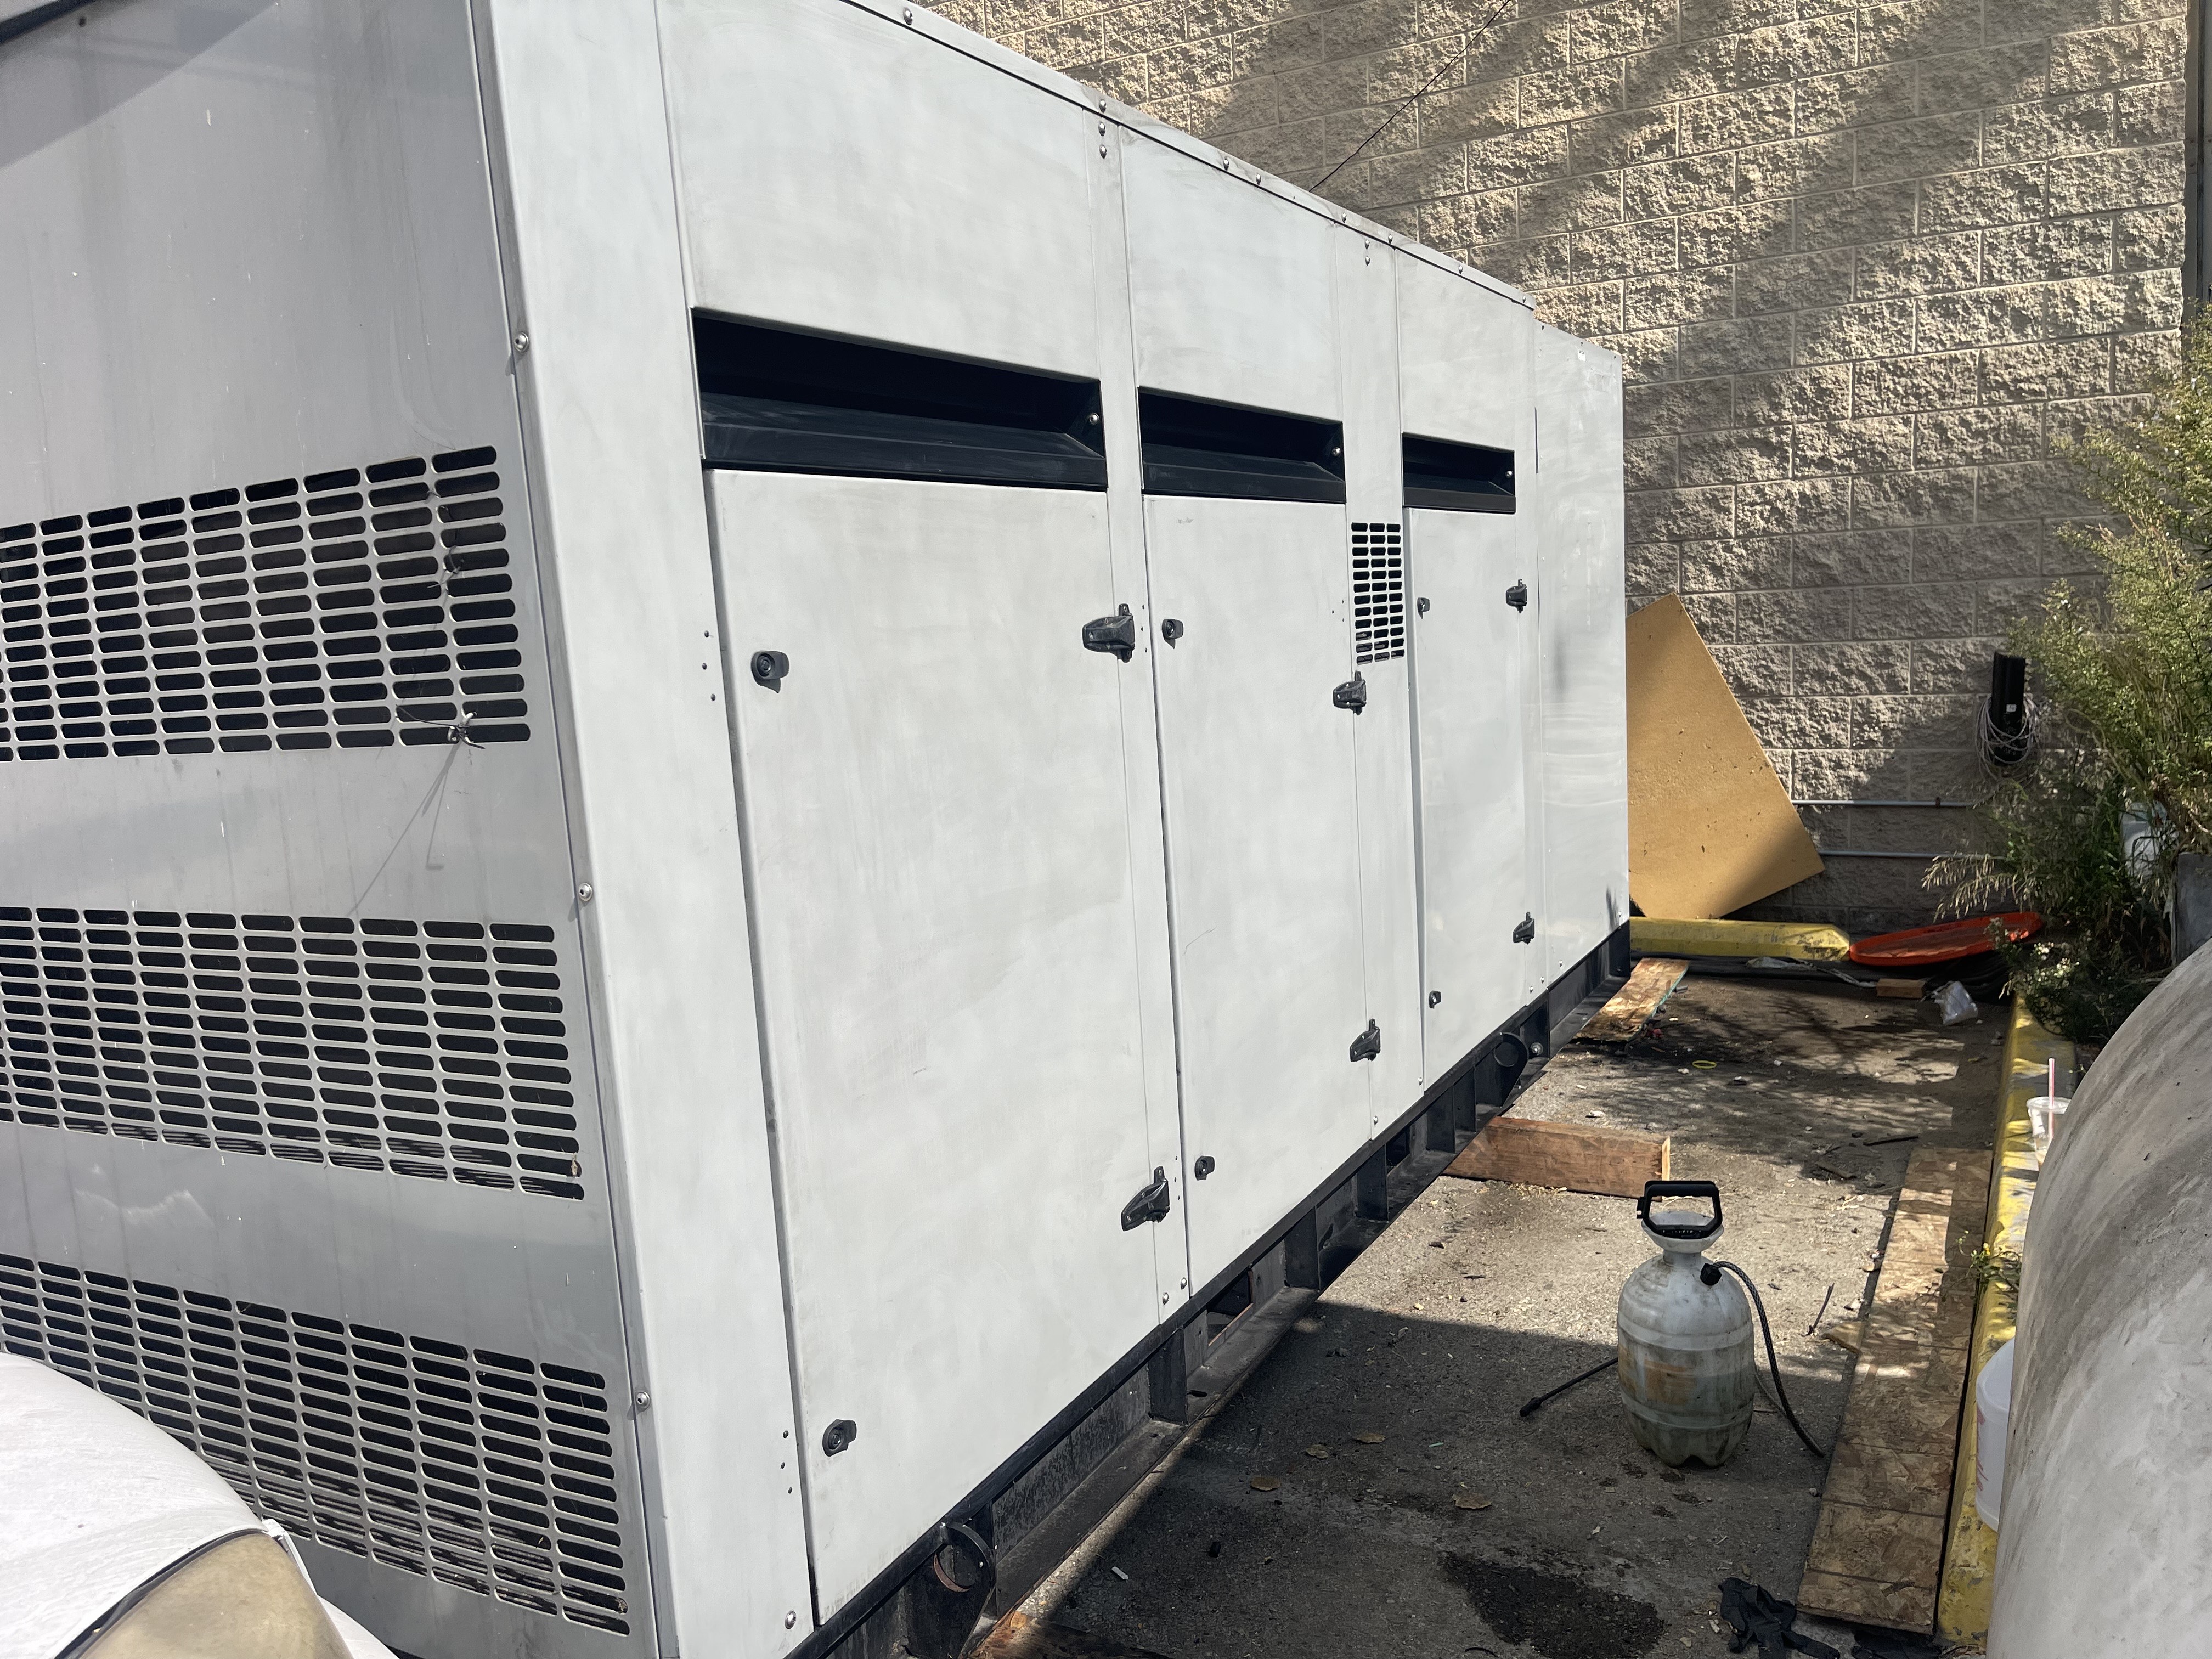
{"x": 358, "y": 608}
{"x": 476, "y": 1469}
{"x": 1378, "y": 592}
{"x": 436, "y": 1048}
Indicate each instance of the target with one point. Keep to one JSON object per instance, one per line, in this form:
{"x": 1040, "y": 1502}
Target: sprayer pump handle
{"x": 1680, "y": 1190}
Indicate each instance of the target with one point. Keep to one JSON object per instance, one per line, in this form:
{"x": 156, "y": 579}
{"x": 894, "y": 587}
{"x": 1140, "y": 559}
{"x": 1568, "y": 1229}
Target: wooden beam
{"x": 1632, "y": 1006}
{"x": 1583, "y": 1160}
{"x": 1877, "y": 1552}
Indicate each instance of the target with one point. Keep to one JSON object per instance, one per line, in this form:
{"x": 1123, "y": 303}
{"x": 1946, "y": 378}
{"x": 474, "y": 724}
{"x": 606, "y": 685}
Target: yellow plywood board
{"x": 1711, "y": 828}
{"x": 1799, "y": 941}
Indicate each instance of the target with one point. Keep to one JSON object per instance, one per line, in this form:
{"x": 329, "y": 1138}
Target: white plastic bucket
{"x": 1992, "y": 1418}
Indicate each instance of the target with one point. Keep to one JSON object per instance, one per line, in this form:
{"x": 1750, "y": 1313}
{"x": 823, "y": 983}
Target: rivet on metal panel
{"x": 789, "y": 1619}
{"x": 910, "y": 13}
{"x": 584, "y": 893}
{"x": 1420, "y": 607}
{"x": 1434, "y": 997}
{"x": 642, "y": 1400}
{"x": 521, "y": 344}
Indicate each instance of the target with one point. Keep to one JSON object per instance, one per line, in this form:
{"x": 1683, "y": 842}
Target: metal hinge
{"x": 1351, "y": 695}
{"x": 1368, "y": 1044}
{"x": 1150, "y": 1203}
{"x": 1116, "y": 633}
{"x": 1524, "y": 931}
{"x": 1518, "y": 596}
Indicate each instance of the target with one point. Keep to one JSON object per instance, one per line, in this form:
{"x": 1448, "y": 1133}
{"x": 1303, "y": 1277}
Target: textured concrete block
{"x": 1889, "y": 386}
{"x": 2147, "y": 239}
{"x": 1999, "y": 606}
{"x": 2070, "y": 369}
{"x": 2139, "y": 361}
{"x": 1188, "y": 67}
{"x": 1917, "y": 149}
{"x": 1856, "y": 669}
{"x": 1928, "y": 495}
{"x": 1146, "y": 26}
{"x": 1851, "y": 558}
{"x": 1618, "y": 28}
{"x": 1689, "y": 69}
{"x": 2034, "y": 489}
{"x": 1736, "y": 456}
{"x": 1988, "y": 316}
{"x": 1285, "y": 43}
{"x": 1995, "y": 196}
{"x": 1879, "y": 329}
{"x": 2007, "y": 73}
{"x": 1686, "y": 186}
{"x": 1954, "y": 666}
{"x": 1856, "y": 99}
{"x": 1063, "y": 44}
{"x": 1705, "y": 20}
{"x": 1541, "y": 265}
{"x": 1683, "y": 406}
{"x": 1798, "y": 50}
{"x": 1635, "y": 251}
{"x": 1929, "y": 611}
{"x": 1735, "y": 565}
{"x": 2151, "y": 51}
{"x": 1960, "y": 437}
{"x": 1495, "y": 47}
{"x": 2050, "y": 248}
{"x": 1649, "y": 464}
{"x": 1517, "y": 158}
{"x": 1925, "y": 265}
{"x": 1652, "y": 567}
{"x": 1799, "y": 504}
{"x": 1632, "y": 138}
{"x": 1583, "y": 204}
{"x": 1324, "y": 89}
{"x": 1680, "y": 515}
{"x": 2150, "y": 114}
{"x": 1914, "y": 722}
{"x": 1794, "y": 282}
{"x": 2112, "y": 305}
{"x": 1878, "y": 443}
{"x": 1802, "y": 614}
{"x": 2031, "y": 20}
{"x": 1569, "y": 94}
{"x": 1678, "y": 297}
{"x": 1756, "y": 673}
{"x": 1458, "y": 113}
{"x": 1797, "y": 167}
{"x": 1885, "y": 212}
{"x": 1366, "y": 26}
{"x": 1796, "y": 394}
{"x": 1734, "y": 120}
{"x": 2069, "y": 126}
{"x": 2115, "y": 178}
{"x": 1962, "y": 552}
{"x": 1423, "y": 175}
{"x": 1801, "y": 723}
{"x": 1747, "y": 230}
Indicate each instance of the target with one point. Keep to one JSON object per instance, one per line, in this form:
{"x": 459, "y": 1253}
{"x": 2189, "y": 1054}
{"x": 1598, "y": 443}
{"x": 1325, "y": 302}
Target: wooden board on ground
{"x": 1911, "y": 989}
{"x": 1631, "y": 1006}
{"x": 1877, "y": 1552}
{"x": 1018, "y": 1636}
{"x": 1711, "y": 828}
{"x": 1537, "y": 1154}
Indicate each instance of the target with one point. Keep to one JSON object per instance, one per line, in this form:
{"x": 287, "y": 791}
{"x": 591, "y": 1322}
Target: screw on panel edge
{"x": 584, "y": 893}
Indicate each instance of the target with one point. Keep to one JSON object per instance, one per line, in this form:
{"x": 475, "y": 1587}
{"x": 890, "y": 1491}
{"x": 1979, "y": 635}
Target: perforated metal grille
{"x": 353, "y": 608}
{"x": 435, "y": 1049}
{"x": 478, "y": 1469}
{"x": 1378, "y": 592}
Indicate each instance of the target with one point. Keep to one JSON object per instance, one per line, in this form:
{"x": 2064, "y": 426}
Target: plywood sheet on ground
{"x": 1538, "y": 1154}
{"x": 1711, "y": 828}
{"x": 1877, "y": 1552}
{"x": 1630, "y": 1008}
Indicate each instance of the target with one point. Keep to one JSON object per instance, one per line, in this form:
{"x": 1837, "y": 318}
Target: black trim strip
{"x": 1458, "y": 477}
{"x": 1193, "y": 447}
{"x": 23, "y": 22}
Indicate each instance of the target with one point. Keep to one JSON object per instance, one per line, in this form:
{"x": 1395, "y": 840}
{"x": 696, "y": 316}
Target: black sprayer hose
{"x": 1767, "y": 1331}
{"x": 1538, "y": 1403}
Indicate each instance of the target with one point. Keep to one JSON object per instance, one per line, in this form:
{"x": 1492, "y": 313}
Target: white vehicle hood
{"x": 94, "y": 1501}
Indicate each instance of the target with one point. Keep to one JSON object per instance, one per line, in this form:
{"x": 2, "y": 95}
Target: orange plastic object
{"x": 1946, "y": 941}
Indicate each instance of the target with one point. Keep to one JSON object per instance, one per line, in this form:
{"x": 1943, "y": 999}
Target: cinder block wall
{"x": 1870, "y": 267}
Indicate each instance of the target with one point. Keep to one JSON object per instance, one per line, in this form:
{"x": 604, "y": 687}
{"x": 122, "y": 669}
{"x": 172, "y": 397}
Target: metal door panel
{"x": 1582, "y": 670}
{"x": 842, "y": 175}
{"x": 941, "y": 870}
{"x": 1263, "y": 855}
{"x": 1258, "y": 329}
{"x": 1476, "y": 691}
{"x": 1463, "y": 361}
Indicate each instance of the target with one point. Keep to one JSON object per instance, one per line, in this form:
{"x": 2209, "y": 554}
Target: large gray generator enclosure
{"x": 750, "y": 758}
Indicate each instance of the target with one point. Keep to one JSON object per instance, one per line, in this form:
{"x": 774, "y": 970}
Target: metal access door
{"x": 1263, "y": 854}
{"x": 1477, "y": 722}
{"x": 946, "y": 930}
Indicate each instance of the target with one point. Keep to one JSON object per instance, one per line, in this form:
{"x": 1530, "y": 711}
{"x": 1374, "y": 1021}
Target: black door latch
{"x": 1353, "y": 694}
{"x": 1369, "y": 1043}
{"x": 1518, "y": 596}
{"x": 1524, "y": 931}
{"x": 1204, "y": 1167}
{"x": 1420, "y": 607}
{"x": 1150, "y": 1203}
{"x": 1434, "y": 997}
{"x": 770, "y": 667}
{"x": 1171, "y": 630}
{"x": 1116, "y": 633}
{"x": 838, "y": 1436}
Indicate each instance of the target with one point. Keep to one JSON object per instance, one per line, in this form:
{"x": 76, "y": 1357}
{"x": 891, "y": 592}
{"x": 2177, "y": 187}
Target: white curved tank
{"x": 1686, "y": 1345}
{"x": 2107, "y": 1529}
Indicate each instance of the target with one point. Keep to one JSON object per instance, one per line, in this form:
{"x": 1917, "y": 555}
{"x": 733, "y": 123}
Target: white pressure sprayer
{"x": 1688, "y": 1375}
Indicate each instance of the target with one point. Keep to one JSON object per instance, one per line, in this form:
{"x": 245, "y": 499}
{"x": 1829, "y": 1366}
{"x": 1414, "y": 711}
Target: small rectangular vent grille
{"x": 356, "y": 608}
{"x": 1378, "y": 592}
{"x": 435, "y": 1049}
{"x": 476, "y": 1469}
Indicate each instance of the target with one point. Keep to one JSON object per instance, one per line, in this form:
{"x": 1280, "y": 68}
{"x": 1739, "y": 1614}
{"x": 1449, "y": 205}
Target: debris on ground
{"x": 1578, "y": 1159}
{"x": 1757, "y": 1615}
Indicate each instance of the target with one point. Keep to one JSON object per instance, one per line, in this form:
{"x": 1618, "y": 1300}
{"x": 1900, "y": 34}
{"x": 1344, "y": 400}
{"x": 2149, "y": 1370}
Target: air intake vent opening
{"x": 1194, "y": 448}
{"x": 434, "y": 1049}
{"x": 335, "y": 611}
{"x": 478, "y": 1469}
{"x": 1458, "y": 477}
{"x": 1378, "y": 592}
{"x": 776, "y": 400}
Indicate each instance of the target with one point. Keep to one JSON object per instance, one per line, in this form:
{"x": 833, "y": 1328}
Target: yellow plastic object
{"x": 1797, "y": 941}
{"x": 1969, "y": 1550}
